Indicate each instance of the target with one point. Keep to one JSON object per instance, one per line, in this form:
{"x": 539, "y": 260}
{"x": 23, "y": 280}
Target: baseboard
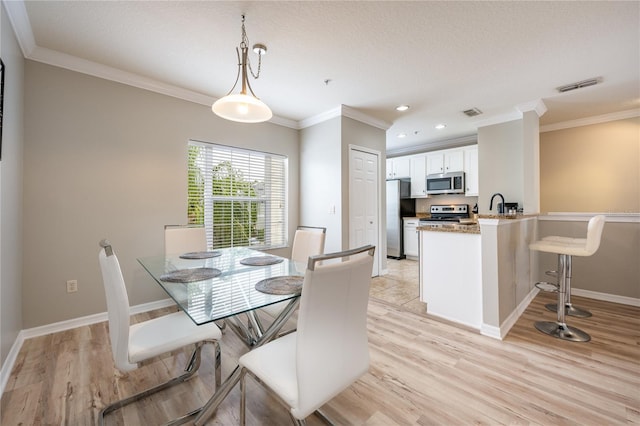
{"x": 7, "y": 366}
{"x": 501, "y": 332}
{"x": 623, "y": 300}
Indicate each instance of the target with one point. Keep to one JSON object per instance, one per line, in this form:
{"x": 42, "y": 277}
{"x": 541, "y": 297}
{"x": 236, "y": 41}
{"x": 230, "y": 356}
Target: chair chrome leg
{"x": 297, "y": 422}
{"x": 243, "y": 397}
{"x": 191, "y": 368}
{"x": 324, "y": 418}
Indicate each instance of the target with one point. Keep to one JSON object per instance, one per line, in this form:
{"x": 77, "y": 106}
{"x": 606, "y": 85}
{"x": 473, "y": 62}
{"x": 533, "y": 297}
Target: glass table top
{"x": 229, "y": 293}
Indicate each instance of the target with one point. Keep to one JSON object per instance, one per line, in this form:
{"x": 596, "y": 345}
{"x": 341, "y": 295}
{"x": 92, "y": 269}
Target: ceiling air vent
{"x": 472, "y": 112}
{"x": 579, "y": 85}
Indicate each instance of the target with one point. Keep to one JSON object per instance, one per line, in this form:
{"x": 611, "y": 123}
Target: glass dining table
{"x": 229, "y": 284}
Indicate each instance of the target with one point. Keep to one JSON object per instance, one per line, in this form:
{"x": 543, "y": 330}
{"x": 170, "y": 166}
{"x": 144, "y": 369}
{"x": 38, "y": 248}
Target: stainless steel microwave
{"x": 445, "y": 183}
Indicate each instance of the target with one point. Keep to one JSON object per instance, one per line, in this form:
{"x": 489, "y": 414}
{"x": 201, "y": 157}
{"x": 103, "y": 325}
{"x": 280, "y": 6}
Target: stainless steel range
{"x": 442, "y": 214}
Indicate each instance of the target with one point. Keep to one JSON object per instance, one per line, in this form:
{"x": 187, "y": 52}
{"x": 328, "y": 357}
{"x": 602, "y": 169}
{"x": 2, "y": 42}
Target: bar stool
{"x": 570, "y": 309}
{"x": 565, "y": 248}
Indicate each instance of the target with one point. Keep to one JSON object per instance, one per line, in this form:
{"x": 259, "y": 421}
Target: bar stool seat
{"x": 565, "y": 248}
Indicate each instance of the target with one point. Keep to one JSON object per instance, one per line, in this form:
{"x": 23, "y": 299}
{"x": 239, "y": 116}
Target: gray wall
{"x": 104, "y": 159}
{"x": 11, "y": 190}
{"x": 324, "y": 174}
{"x": 321, "y": 180}
{"x": 366, "y": 136}
{"x": 613, "y": 270}
{"x": 500, "y": 159}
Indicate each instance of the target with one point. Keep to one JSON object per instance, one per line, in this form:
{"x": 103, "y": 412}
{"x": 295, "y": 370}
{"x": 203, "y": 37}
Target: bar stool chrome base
{"x": 570, "y": 310}
{"x": 562, "y": 331}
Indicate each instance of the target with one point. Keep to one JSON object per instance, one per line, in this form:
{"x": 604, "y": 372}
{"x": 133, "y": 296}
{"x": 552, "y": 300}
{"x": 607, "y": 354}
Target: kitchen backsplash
{"x": 423, "y": 205}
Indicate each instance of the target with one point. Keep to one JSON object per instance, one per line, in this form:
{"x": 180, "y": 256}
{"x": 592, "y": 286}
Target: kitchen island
{"x": 478, "y": 275}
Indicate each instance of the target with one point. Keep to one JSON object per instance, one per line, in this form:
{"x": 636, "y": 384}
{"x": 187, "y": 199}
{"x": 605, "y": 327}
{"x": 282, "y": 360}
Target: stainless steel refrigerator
{"x": 399, "y": 205}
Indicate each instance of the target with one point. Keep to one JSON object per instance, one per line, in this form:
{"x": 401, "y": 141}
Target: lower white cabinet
{"x": 411, "y": 237}
{"x": 451, "y": 278}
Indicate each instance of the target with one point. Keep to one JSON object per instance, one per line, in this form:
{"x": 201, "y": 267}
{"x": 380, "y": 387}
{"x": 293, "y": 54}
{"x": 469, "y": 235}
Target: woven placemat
{"x": 201, "y": 254}
{"x": 280, "y": 285}
{"x": 261, "y": 260}
{"x": 190, "y": 275}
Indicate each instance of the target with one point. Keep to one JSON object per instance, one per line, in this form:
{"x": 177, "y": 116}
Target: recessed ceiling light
{"x": 440, "y": 126}
{"x": 402, "y": 107}
{"x": 402, "y": 135}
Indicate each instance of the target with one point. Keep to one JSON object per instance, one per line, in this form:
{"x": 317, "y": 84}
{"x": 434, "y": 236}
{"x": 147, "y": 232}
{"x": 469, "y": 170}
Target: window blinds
{"x": 238, "y": 195}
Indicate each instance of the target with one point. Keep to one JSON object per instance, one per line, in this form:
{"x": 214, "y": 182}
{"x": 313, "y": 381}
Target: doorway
{"x": 364, "y": 204}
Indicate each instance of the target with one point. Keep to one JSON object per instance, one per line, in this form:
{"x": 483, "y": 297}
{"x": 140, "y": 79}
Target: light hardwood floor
{"x": 423, "y": 372}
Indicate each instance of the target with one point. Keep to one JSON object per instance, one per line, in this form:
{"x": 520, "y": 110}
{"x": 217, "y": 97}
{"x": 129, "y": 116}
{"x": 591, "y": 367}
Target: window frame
{"x": 267, "y": 175}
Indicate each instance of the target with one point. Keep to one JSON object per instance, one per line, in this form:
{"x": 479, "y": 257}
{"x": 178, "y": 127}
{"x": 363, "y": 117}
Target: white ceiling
{"x": 439, "y": 57}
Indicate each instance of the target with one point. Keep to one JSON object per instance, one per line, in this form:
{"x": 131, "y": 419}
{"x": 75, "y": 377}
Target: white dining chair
{"x": 329, "y": 351}
{"x": 307, "y": 241}
{"x": 134, "y": 343}
{"x": 179, "y": 239}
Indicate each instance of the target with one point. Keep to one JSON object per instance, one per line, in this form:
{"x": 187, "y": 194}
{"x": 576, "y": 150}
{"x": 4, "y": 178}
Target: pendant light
{"x": 244, "y": 107}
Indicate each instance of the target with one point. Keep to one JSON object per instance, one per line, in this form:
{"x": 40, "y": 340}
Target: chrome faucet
{"x": 500, "y": 206}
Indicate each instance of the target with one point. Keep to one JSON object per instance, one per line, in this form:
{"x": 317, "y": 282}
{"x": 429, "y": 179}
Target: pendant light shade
{"x": 244, "y": 107}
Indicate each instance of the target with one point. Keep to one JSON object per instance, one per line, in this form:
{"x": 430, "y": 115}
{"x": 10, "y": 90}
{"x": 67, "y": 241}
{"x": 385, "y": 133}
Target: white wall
{"x": 324, "y": 174}
{"x": 500, "y": 156}
{"x": 11, "y": 190}
{"x": 321, "y": 180}
{"x": 103, "y": 159}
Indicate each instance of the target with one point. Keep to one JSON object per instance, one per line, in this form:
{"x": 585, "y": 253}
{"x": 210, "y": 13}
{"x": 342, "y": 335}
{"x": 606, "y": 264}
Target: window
{"x": 238, "y": 195}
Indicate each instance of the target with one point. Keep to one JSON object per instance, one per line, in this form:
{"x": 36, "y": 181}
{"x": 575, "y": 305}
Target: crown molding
{"x": 73, "y": 63}
{"x": 498, "y": 119}
{"x": 17, "y": 13}
{"x": 538, "y": 106}
{"x": 343, "y": 111}
{"x": 434, "y": 146}
{"x": 19, "y": 19}
{"x": 320, "y": 118}
{"x": 364, "y": 118}
{"x": 622, "y": 115}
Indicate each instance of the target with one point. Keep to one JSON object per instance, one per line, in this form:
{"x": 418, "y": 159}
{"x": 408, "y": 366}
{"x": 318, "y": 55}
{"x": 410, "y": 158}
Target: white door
{"x": 363, "y": 202}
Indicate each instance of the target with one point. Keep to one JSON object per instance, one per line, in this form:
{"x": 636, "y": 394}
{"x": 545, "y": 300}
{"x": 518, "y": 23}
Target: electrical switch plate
{"x": 72, "y": 286}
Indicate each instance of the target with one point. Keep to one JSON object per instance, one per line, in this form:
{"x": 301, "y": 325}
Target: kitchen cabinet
{"x": 411, "y": 237}
{"x": 451, "y": 278}
{"x": 445, "y": 161}
{"x": 471, "y": 170}
{"x": 399, "y": 168}
{"x": 418, "y": 174}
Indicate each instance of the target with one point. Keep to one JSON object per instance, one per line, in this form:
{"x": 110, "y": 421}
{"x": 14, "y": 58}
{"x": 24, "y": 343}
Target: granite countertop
{"x": 505, "y": 216}
{"x": 452, "y": 227}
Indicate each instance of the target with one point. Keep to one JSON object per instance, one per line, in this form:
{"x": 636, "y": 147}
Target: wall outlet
{"x": 72, "y": 286}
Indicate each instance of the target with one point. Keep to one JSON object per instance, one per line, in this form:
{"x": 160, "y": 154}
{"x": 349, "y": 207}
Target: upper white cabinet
{"x": 416, "y": 167}
{"x": 435, "y": 163}
{"x": 471, "y": 170}
{"x": 398, "y": 168}
{"x": 418, "y": 173}
{"x": 445, "y": 161}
